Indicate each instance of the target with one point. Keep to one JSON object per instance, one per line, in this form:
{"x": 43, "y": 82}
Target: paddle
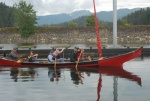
{"x": 78, "y": 62}
{"x": 4, "y": 53}
{"x": 55, "y": 67}
{"x": 22, "y": 58}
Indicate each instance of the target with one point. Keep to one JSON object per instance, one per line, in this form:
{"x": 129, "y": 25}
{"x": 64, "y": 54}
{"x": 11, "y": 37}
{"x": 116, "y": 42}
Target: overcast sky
{"x": 46, "y": 7}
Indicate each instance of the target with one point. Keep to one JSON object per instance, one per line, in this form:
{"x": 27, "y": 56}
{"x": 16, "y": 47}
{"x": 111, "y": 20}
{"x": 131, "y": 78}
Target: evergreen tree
{"x": 71, "y": 23}
{"x": 6, "y": 15}
{"x": 90, "y": 21}
{"x": 140, "y": 17}
{"x": 25, "y": 18}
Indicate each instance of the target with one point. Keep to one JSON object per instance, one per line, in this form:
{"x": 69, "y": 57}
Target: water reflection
{"x": 116, "y": 72}
{"x": 29, "y": 74}
{"x": 54, "y": 75}
{"x": 14, "y": 74}
{"x": 26, "y": 74}
{"x": 76, "y": 77}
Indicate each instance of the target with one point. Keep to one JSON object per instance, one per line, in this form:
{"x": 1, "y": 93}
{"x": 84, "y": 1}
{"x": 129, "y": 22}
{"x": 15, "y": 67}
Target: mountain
{"x": 59, "y": 18}
{"x": 108, "y": 15}
{"x": 103, "y": 15}
{"x": 53, "y": 19}
{"x": 80, "y": 13}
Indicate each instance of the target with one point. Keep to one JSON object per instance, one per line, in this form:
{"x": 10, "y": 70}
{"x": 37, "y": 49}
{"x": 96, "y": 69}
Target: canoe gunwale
{"x": 116, "y": 60}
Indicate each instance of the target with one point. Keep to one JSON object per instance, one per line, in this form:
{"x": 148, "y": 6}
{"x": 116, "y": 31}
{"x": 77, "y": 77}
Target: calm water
{"x": 36, "y": 85}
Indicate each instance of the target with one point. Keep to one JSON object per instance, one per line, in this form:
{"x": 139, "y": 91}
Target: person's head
{"x": 51, "y": 52}
{"x": 31, "y": 53}
{"x": 88, "y": 56}
{"x": 76, "y": 49}
{"x": 57, "y": 49}
{"x": 14, "y": 49}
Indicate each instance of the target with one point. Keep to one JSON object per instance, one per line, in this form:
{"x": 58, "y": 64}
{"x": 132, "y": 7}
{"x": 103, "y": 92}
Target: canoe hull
{"x": 120, "y": 59}
{"x": 115, "y": 61}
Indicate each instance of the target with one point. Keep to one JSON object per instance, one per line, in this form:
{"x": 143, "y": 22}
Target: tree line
{"x": 140, "y": 17}
{"x": 6, "y": 15}
{"x": 21, "y": 16}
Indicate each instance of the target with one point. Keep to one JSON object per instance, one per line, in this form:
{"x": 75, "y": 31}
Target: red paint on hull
{"x": 120, "y": 59}
{"x": 115, "y": 61}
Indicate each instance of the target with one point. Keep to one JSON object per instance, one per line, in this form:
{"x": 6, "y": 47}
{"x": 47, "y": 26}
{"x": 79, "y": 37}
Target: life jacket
{"x": 31, "y": 59}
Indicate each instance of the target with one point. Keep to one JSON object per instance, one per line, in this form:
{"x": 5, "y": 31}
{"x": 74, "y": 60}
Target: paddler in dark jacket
{"x": 74, "y": 55}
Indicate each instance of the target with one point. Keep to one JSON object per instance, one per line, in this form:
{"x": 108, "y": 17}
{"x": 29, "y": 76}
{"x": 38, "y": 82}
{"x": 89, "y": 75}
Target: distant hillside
{"x": 60, "y": 18}
{"x": 81, "y": 21}
{"x": 140, "y": 17}
{"x": 108, "y": 15}
{"x": 53, "y": 19}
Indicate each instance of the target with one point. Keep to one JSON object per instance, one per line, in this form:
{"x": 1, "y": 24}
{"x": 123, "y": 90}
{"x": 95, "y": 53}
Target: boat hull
{"x": 115, "y": 61}
{"x": 120, "y": 59}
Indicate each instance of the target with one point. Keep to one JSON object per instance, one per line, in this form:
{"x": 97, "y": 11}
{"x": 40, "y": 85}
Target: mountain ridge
{"x": 63, "y": 17}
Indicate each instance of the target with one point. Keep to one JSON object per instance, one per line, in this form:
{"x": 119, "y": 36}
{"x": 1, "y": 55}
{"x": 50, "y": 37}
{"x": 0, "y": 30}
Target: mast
{"x": 97, "y": 32}
{"x": 114, "y": 23}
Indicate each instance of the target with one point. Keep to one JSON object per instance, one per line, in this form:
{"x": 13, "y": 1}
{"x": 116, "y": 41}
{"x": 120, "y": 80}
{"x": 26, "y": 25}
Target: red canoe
{"x": 111, "y": 61}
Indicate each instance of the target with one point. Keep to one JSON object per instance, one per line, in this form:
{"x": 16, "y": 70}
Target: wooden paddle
{"x": 55, "y": 67}
{"x": 78, "y": 61}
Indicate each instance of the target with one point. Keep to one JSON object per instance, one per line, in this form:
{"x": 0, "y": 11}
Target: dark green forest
{"x": 81, "y": 21}
{"x": 6, "y": 16}
{"x": 140, "y": 17}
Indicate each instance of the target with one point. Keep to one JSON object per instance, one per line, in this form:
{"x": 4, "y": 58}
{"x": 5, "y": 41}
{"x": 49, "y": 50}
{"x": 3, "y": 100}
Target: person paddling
{"x": 74, "y": 55}
{"x": 32, "y": 57}
{"x": 56, "y": 54}
{"x": 14, "y": 54}
{"x": 50, "y": 56}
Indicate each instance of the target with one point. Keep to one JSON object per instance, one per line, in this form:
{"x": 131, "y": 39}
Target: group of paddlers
{"x": 53, "y": 56}
{"x": 16, "y": 57}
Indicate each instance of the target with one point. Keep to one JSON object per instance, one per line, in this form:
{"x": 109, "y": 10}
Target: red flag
{"x": 97, "y": 32}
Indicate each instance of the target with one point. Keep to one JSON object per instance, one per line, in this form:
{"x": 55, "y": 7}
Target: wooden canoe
{"x": 115, "y": 61}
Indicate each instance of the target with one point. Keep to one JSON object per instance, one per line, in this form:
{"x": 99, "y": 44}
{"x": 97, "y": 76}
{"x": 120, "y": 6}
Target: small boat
{"x": 115, "y": 61}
